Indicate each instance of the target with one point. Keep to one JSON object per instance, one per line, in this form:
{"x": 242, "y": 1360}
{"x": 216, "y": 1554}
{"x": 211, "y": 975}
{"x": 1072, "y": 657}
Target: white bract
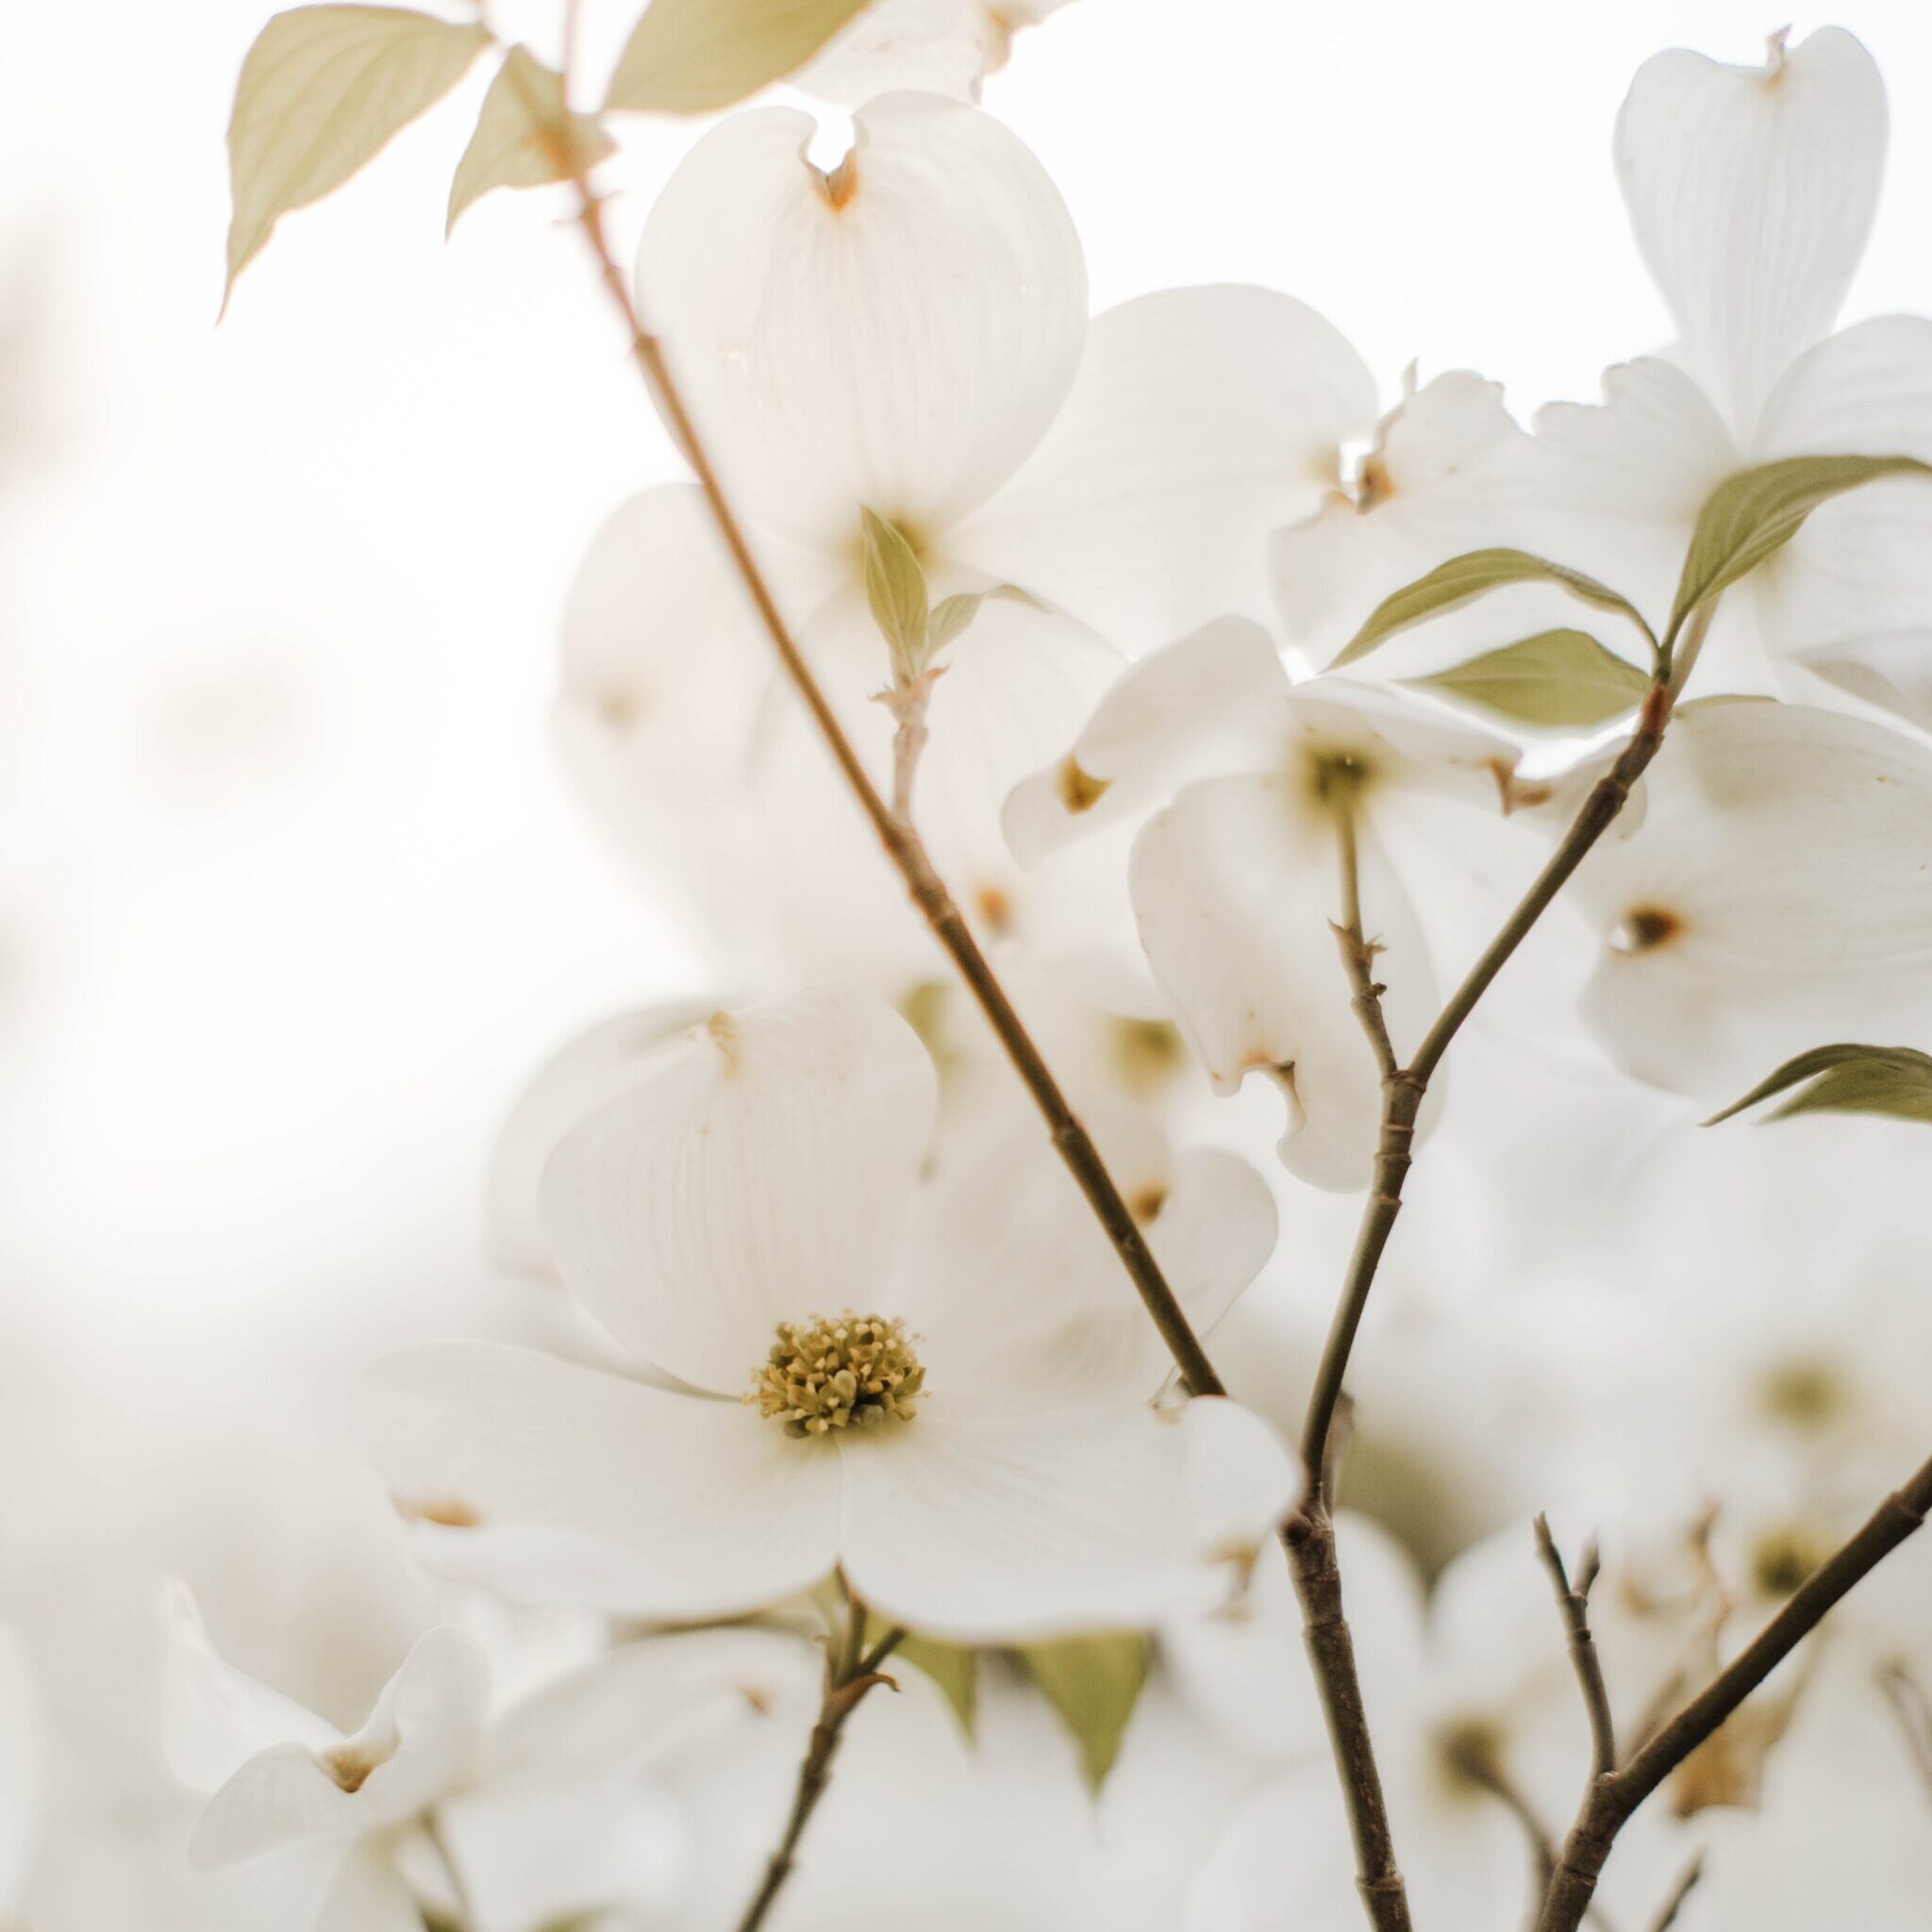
{"x": 1774, "y": 896}
{"x": 938, "y": 46}
{"x": 515, "y": 1820}
{"x": 1752, "y": 190}
{"x": 908, "y": 335}
{"x": 975, "y": 1458}
{"x": 1236, "y": 882}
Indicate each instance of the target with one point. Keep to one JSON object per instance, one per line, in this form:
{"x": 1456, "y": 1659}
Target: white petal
{"x": 1234, "y": 885}
{"x": 1451, "y": 473}
{"x": 1211, "y": 703}
{"x": 600, "y": 1065}
{"x": 214, "y": 1718}
{"x": 757, "y": 1176}
{"x": 368, "y": 1894}
{"x": 645, "y": 1699}
{"x": 937, "y": 47}
{"x": 1786, "y": 852}
{"x": 1018, "y": 1298}
{"x": 1013, "y": 1526}
{"x": 1849, "y": 599}
{"x": 1201, "y": 420}
{"x": 898, "y": 337}
{"x": 561, "y": 1485}
{"x": 418, "y": 1741}
{"x": 23, "y": 1772}
{"x": 1752, "y": 192}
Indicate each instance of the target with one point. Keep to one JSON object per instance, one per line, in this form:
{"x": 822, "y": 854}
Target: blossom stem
{"x": 1309, "y": 1538}
{"x": 1680, "y": 1893}
{"x": 1610, "y": 1801}
{"x": 1572, "y": 1601}
{"x": 851, "y": 1670}
{"x": 902, "y": 843}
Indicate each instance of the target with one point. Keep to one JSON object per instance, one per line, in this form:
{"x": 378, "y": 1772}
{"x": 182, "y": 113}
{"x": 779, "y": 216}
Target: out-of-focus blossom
{"x": 1774, "y": 896}
{"x": 22, "y": 1776}
{"x": 1235, "y": 883}
{"x": 514, "y": 1820}
{"x": 977, "y": 1461}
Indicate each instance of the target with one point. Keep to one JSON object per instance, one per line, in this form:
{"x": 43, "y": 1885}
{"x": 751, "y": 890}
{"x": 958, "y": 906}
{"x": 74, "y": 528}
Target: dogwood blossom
{"x": 1235, "y": 883}
{"x": 732, "y": 1221}
{"x": 937, "y": 47}
{"x": 908, "y": 335}
{"x": 1752, "y": 192}
{"x": 1773, "y": 895}
{"x": 516, "y": 1819}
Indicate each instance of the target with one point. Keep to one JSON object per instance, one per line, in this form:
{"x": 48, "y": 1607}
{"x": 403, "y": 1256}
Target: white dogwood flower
{"x": 1752, "y": 192}
{"x": 955, "y": 1440}
{"x": 516, "y": 1819}
{"x": 1776, "y": 896}
{"x": 908, "y": 335}
{"x": 1237, "y": 880}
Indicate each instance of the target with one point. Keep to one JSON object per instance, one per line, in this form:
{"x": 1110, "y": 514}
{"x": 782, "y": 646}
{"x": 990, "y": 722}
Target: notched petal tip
{"x": 1079, "y": 789}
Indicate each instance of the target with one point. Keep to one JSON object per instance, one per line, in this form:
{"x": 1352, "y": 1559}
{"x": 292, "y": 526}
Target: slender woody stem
{"x": 1572, "y": 1601}
{"x": 851, "y": 1670}
{"x": 1610, "y": 1802}
{"x": 1311, "y": 1538}
{"x": 903, "y": 844}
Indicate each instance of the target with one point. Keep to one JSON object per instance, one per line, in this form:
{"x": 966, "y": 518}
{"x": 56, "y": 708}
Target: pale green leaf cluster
{"x": 1462, "y": 580}
{"x": 693, "y": 57}
{"x": 322, "y": 92}
{"x": 1559, "y": 679}
{"x": 1093, "y": 1684}
{"x": 916, "y": 629}
{"x": 1751, "y": 515}
{"x": 526, "y": 136}
{"x": 1893, "y": 1080}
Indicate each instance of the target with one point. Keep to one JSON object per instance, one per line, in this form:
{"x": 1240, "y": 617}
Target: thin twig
{"x": 1668, "y": 1911}
{"x": 1609, "y": 1802}
{"x": 903, "y": 844}
{"x": 1573, "y": 1600}
{"x": 850, "y": 1672}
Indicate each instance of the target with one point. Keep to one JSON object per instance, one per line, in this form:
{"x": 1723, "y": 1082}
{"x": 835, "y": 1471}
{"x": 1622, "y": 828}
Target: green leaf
{"x": 896, "y": 589}
{"x": 1562, "y": 679}
{"x": 952, "y": 1666}
{"x": 1094, "y": 1683}
{"x": 322, "y": 92}
{"x": 950, "y": 615}
{"x": 1757, "y": 512}
{"x": 525, "y": 138}
{"x": 690, "y": 56}
{"x": 1894, "y": 1080}
{"x": 1462, "y": 580}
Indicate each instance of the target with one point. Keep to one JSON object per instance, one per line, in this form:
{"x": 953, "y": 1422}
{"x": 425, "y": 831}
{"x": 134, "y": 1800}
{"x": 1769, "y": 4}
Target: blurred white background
{"x": 290, "y": 896}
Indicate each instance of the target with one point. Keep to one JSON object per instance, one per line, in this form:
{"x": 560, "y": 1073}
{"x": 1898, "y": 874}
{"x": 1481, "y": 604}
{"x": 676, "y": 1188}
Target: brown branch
{"x": 1680, "y": 1893}
{"x": 1609, "y": 1802}
{"x": 903, "y": 844}
{"x": 1572, "y": 1601}
{"x": 850, "y": 1673}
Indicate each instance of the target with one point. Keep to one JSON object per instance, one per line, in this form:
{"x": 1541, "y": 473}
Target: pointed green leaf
{"x": 896, "y": 589}
{"x": 950, "y": 615}
{"x": 525, "y": 138}
{"x": 690, "y": 56}
{"x": 1562, "y": 678}
{"x": 952, "y": 1666}
{"x": 1894, "y": 1080}
{"x": 1094, "y": 1683}
{"x": 1462, "y": 580}
{"x": 321, "y": 93}
{"x": 1757, "y": 512}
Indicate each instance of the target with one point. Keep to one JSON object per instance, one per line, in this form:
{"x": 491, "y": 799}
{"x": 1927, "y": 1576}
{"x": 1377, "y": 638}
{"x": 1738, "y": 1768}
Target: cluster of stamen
{"x": 855, "y": 1370}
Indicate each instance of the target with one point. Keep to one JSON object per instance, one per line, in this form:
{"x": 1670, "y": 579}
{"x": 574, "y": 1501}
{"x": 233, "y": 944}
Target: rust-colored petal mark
{"x": 1079, "y": 789}
{"x": 449, "y": 1512}
{"x": 1647, "y": 928}
{"x": 842, "y": 184}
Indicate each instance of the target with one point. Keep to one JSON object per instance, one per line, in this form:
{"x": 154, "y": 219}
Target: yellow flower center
{"x": 832, "y": 1375}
